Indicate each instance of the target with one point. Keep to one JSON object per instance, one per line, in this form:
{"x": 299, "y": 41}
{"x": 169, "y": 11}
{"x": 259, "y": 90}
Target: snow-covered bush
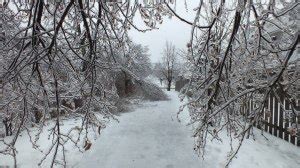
{"x": 150, "y": 91}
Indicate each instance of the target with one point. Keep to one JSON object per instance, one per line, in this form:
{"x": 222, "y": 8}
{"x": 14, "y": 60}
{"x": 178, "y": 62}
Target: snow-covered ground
{"x": 151, "y": 137}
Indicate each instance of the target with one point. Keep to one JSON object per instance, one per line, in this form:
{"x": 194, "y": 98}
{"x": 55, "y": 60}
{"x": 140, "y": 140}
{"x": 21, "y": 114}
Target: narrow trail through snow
{"x": 149, "y": 137}
{"x": 152, "y": 137}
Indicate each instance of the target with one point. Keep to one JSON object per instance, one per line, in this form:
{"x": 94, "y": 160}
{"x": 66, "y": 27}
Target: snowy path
{"x": 150, "y": 137}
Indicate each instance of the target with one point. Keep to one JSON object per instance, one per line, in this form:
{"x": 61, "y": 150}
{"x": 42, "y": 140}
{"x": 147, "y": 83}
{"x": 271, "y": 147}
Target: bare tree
{"x": 167, "y": 68}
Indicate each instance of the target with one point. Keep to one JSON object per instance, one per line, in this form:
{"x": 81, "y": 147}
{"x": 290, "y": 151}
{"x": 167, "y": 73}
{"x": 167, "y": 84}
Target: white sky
{"x": 172, "y": 30}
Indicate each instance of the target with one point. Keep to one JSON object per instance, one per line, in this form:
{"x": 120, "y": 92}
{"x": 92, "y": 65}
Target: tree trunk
{"x": 169, "y": 85}
{"x": 126, "y": 80}
{"x": 7, "y": 125}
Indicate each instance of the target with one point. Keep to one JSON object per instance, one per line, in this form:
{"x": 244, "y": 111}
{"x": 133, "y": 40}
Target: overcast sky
{"x": 172, "y": 30}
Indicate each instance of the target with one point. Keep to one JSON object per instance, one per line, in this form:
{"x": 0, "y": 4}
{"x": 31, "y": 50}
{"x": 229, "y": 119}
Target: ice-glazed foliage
{"x": 135, "y": 58}
{"x": 240, "y": 50}
{"x": 59, "y": 58}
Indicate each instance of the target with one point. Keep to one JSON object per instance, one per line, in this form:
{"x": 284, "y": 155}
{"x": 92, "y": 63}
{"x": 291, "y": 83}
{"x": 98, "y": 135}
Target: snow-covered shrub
{"x": 150, "y": 91}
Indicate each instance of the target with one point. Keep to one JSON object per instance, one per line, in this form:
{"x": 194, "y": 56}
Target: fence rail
{"x": 278, "y": 118}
